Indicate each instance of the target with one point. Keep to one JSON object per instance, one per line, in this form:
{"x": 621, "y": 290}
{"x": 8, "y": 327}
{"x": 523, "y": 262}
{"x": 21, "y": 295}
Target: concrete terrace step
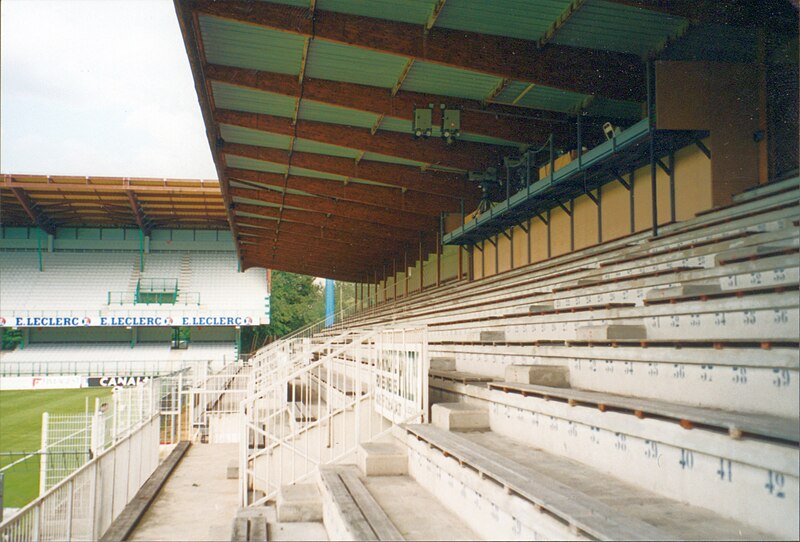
{"x": 736, "y": 424}
{"x": 587, "y": 502}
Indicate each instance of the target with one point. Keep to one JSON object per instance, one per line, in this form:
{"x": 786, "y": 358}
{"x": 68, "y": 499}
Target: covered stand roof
{"x": 308, "y": 107}
{"x": 59, "y": 201}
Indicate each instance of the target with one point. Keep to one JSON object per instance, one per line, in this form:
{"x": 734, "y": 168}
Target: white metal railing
{"x": 214, "y": 404}
{"x": 349, "y": 391}
{"x": 83, "y": 505}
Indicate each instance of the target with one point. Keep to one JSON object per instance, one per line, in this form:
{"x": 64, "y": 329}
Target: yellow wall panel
{"x": 521, "y": 247}
{"x": 560, "y": 242}
{"x": 503, "y": 253}
{"x": 616, "y": 211}
{"x": 585, "y": 216}
{"x": 692, "y": 181}
{"x": 538, "y": 240}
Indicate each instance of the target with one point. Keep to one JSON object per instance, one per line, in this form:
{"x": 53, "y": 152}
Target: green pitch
{"x": 21, "y": 431}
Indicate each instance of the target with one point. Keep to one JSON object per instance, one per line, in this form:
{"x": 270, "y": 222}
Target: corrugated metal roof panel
{"x": 247, "y": 46}
{"x": 247, "y": 136}
{"x": 241, "y": 162}
{"x": 272, "y": 187}
{"x": 524, "y": 19}
{"x": 337, "y": 62}
{"x": 374, "y": 156}
{"x": 254, "y": 101}
{"x": 407, "y": 11}
{"x": 303, "y": 172}
{"x": 446, "y": 81}
{"x": 304, "y": 145}
{"x": 539, "y": 97}
{"x": 599, "y": 24}
{"x": 332, "y": 114}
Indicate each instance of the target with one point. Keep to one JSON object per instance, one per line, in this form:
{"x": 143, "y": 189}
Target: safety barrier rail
{"x": 349, "y": 392}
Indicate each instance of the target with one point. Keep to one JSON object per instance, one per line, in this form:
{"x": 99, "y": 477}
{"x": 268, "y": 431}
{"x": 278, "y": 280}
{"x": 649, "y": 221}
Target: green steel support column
{"x": 39, "y": 247}
{"x": 141, "y": 251}
{"x": 238, "y": 335}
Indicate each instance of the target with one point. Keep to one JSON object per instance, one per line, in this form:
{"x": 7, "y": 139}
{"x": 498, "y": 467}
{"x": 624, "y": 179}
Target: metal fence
{"x": 83, "y": 505}
{"x": 319, "y": 405}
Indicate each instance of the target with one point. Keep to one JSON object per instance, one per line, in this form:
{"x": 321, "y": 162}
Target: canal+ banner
{"x": 127, "y": 321}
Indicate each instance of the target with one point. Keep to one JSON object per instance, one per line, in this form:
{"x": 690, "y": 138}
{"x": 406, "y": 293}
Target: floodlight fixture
{"x": 423, "y": 122}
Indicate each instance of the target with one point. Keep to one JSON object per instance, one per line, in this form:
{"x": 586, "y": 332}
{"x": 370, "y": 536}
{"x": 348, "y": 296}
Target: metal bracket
{"x": 492, "y": 241}
{"x": 479, "y": 247}
{"x": 663, "y": 166}
{"x": 506, "y": 235}
{"x": 622, "y": 181}
{"x": 564, "y": 207}
{"x": 593, "y": 197}
{"x": 543, "y": 219}
{"x": 702, "y": 147}
{"x": 523, "y": 227}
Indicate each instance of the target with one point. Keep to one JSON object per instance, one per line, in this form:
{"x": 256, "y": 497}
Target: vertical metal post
{"x": 631, "y": 179}
{"x": 549, "y": 243}
{"x": 141, "y": 251}
{"x": 421, "y": 267}
{"x": 405, "y": 273}
{"x": 439, "y": 261}
{"x": 580, "y": 137}
{"x": 2, "y": 484}
{"x": 552, "y": 158}
{"x": 39, "y": 246}
{"x": 672, "y": 204}
{"x": 652, "y": 148}
{"x": 572, "y": 225}
{"x": 470, "y": 263}
{"x": 43, "y": 454}
{"x": 600, "y": 214}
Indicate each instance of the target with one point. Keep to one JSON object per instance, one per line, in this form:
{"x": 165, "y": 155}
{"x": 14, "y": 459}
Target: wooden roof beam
{"x": 444, "y": 184}
{"x": 300, "y": 267}
{"x": 558, "y": 66}
{"x": 313, "y": 250}
{"x": 463, "y": 156}
{"x": 494, "y": 120}
{"x": 270, "y": 224}
{"x": 271, "y": 239}
{"x": 346, "y": 209}
{"x": 138, "y": 213}
{"x": 319, "y": 219}
{"x": 34, "y": 212}
{"x": 379, "y": 196}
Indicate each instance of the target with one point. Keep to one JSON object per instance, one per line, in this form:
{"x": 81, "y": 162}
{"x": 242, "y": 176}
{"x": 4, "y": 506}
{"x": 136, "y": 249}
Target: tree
{"x": 295, "y": 301}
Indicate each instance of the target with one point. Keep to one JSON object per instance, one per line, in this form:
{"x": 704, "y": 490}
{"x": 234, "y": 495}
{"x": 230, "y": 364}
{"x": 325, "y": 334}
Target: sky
{"x": 98, "y": 88}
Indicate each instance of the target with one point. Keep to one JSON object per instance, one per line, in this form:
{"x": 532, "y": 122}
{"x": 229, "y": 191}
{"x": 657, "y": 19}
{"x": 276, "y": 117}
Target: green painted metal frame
{"x": 591, "y": 169}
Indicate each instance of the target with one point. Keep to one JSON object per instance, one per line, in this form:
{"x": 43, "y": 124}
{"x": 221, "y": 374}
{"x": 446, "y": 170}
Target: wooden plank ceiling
{"x": 308, "y": 109}
{"x": 59, "y": 201}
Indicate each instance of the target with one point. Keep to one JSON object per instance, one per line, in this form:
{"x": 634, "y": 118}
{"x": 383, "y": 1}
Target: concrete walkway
{"x": 198, "y": 502}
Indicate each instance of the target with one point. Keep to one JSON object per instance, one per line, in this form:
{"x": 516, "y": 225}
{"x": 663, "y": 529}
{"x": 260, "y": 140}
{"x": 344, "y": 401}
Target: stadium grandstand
{"x": 573, "y": 233}
{"x": 113, "y": 276}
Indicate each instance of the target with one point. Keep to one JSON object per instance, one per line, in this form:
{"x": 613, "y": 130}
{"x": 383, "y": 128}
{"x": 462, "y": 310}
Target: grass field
{"x": 21, "y": 431}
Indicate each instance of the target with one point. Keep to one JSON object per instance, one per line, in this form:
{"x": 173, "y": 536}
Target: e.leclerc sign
{"x": 127, "y": 321}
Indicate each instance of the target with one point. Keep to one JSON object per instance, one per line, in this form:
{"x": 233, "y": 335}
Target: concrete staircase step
{"x": 610, "y": 332}
{"x": 683, "y": 290}
{"x": 443, "y": 364}
{"x": 493, "y": 336}
{"x": 382, "y": 459}
{"x": 556, "y": 376}
{"x": 459, "y": 417}
{"x": 299, "y": 503}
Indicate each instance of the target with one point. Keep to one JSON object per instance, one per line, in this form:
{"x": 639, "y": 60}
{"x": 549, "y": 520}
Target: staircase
{"x": 315, "y": 400}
